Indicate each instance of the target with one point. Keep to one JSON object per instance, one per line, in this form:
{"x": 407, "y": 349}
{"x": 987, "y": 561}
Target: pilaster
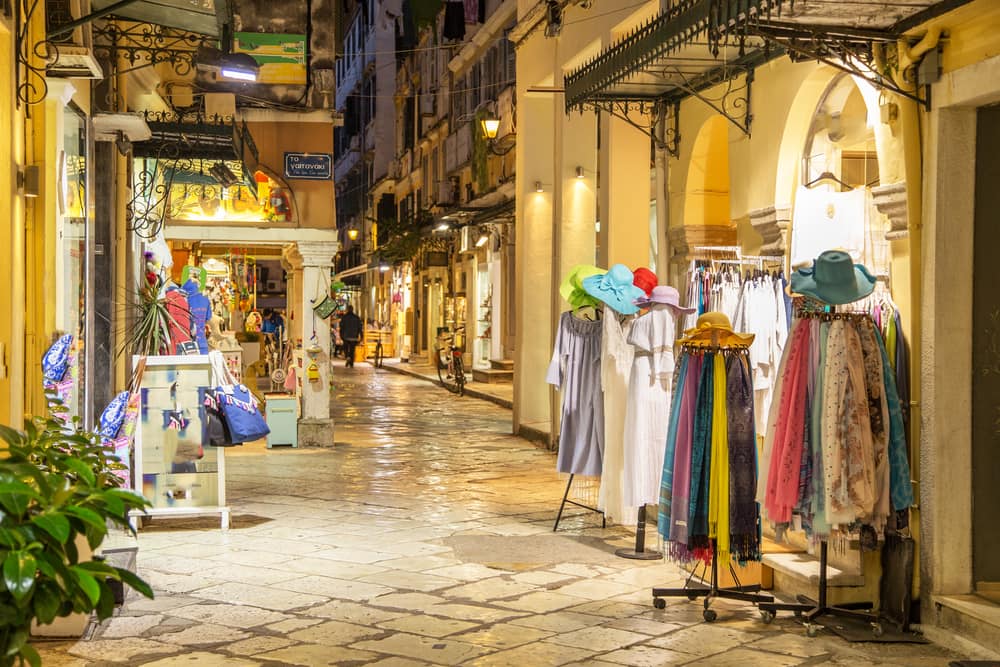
{"x": 891, "y": 201}
{"x": 772, "y": 223}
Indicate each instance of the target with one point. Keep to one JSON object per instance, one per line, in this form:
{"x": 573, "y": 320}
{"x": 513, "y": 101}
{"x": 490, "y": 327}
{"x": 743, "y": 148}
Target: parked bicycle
{"x": 448, "y": 354}
{"x": 379, "y": 351}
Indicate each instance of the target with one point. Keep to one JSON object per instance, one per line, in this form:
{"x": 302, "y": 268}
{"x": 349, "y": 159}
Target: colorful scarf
{"x": 900, "y": 487}
{"x": 667, "y": 479}
{"x": 848, "y": 454}
{"x": 878, "y": 414}
{"x": 718, "y": 463}
{"x": 701, "y": 460}
{"x": 681, "y": 491}
{"x": 817, "y": 504}
{"x": 744, "y": 514}
{"x": 786, "y": 456}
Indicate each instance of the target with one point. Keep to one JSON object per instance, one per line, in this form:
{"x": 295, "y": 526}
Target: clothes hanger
{"x": 828, "y": 176}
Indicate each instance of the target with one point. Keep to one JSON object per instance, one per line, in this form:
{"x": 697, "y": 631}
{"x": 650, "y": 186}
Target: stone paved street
{"x": 423, "y": 537}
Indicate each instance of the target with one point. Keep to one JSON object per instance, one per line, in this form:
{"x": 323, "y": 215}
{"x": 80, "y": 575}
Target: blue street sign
{"x": 310, "y": 166}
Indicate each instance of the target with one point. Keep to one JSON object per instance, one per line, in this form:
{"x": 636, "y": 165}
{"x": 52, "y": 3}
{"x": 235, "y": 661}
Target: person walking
{"x": 350, "y": 333}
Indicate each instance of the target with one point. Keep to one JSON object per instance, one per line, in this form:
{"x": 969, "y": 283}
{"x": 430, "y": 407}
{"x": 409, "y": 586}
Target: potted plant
{"x": 58, "y": 492}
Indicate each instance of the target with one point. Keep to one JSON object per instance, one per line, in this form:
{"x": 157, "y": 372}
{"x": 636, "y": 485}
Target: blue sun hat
{"x": 616, "y": 289}
{"x": 834, "y": 279}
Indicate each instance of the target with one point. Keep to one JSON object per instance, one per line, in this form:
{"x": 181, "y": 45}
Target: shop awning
{"x": 697, "y": 44}
{"x": 201, "y": 16}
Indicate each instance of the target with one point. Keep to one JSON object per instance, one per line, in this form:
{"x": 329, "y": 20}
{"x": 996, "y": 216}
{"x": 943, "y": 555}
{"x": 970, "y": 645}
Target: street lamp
{"x": 352, "y": 233}
{"x": 491, "y": 125}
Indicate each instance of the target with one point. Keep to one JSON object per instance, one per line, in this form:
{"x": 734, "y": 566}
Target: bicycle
{"x": 379, "y": 352}
{"x": 450, "y": 369}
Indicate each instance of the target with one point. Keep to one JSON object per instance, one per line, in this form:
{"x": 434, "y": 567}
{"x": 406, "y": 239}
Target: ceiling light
{"x": 442, "y": 227}
{"x": 239, "y": 67}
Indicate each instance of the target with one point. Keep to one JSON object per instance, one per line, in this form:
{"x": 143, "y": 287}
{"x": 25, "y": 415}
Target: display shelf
{"x": 174, "y": 469}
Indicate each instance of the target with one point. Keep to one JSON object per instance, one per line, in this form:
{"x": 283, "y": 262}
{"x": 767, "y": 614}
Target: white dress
{"x": 648, "y": 412}
{"x": 616, "y": 364}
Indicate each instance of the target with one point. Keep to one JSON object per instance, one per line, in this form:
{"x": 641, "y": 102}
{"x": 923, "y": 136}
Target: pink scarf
{"x": 786, "y": 457}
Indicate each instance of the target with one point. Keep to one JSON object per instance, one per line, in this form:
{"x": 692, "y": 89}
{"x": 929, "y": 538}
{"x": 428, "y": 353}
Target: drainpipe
{"x": 910, "y": 124}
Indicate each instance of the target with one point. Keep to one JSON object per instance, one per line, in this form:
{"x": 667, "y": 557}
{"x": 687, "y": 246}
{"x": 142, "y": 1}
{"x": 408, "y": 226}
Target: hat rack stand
{"x": 810, "y": 609}
{"x": 692, "y": 591}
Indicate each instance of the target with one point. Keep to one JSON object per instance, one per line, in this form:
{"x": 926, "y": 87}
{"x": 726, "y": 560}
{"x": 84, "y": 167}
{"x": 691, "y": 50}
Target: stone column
{"x": 291, "y": 263}
{"x": 313, "y": 281}
{"x": 624, "y": 193}
{"x": 685, "y": 238}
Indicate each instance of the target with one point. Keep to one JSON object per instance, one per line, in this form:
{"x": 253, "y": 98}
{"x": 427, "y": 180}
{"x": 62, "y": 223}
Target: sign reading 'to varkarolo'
{"x": 309, "y": 166}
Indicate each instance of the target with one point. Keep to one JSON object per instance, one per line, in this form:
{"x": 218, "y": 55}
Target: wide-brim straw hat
{"x": 714, "y": 328}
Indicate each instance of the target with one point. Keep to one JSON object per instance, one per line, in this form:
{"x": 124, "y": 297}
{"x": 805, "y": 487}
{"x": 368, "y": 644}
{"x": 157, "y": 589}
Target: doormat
{"x": 859, "y": 631}
{"x": 529, "y": 549}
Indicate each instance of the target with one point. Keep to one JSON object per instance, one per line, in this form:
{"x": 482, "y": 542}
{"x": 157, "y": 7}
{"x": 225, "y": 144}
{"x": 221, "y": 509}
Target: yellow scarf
{"x": 718, "y": 485}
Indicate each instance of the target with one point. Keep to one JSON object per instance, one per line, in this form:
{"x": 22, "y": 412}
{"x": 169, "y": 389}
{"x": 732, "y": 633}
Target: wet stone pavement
{"x": 423, "y": 537}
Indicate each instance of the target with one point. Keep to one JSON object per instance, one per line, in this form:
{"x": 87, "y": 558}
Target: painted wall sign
{"x": 282, "y": 58}
{"x": 310, "y": 166}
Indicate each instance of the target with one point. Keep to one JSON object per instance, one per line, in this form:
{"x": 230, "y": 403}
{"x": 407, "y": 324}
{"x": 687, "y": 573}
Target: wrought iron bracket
{"x": 30, "y": 87}
{"x": 846, "y": 49}
{"x": 143, "y": 45}
{"x": 733, "y": 103}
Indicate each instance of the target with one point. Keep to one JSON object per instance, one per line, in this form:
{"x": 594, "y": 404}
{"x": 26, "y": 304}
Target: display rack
{"x": 566, "y": 499}
{"x": 639, "y": 551}
{"x": 174, "y": 469}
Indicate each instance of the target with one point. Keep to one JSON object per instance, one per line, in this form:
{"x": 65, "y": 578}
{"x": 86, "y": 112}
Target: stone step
{"x": 972, "y": 617}
{"x": 502, "y": 364}
{"x": 793, "y": 574}
{"x": 492, "y": 376}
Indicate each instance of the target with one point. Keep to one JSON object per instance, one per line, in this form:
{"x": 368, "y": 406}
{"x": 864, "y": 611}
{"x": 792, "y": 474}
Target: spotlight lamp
{"x": 579, "y": 172}
{"x": 239, "y": 67}
{"x": 538, "y": 187}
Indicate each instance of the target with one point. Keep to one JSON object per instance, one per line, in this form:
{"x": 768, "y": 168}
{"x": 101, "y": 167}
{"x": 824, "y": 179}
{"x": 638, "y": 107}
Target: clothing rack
{"x": 745, "y": 593}
{"x": 808, "y": 608}
{"x": 639, "y": 552}
{"x": 566, "y": 499}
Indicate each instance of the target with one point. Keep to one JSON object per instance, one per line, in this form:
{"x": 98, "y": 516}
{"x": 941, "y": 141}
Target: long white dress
{"x": 616, "y": 364}
{"x": 648, "y": 410}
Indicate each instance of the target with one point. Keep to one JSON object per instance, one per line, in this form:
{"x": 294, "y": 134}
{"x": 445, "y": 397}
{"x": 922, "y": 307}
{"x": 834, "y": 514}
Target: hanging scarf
{"x": 681, "y": 491}
{"x": 718, "y": 478}
{"x": 878, "y": 414}
{"x": 900, "y": 487}
{"x": 772, "y": 420}
{"x": 786, "y": 457}
{"x": 848, "y": 454}
{"x": 817, "y": 504}
{"x": 744, "y": 524}
{"x": 667, "y": 479}
{"x": 701, "y": 453}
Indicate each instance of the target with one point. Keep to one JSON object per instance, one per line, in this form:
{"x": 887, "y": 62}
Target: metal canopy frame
{"x": 174, "y": 148}
{"x": 146, "y": 44}
{"x": 683, "y": 53}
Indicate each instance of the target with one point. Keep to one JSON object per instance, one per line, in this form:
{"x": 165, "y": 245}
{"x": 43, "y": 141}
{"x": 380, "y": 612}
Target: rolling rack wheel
{"x": 709, "y": 615}
{"x": 877, "y": 630}
{"x": 766, "y": 616}
{"x": 659, "y": 603}
{"x": 812, "y": 629}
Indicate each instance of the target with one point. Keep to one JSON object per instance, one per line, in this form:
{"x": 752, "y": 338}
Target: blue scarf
{"x": 701, "y": 450}
{"x": 667, "y": 480}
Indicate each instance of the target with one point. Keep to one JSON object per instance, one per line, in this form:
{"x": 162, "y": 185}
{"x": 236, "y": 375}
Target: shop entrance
{"x": 986, "y": 360}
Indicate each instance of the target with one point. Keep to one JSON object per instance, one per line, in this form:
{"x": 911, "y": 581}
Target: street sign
{"x": 309, "y": 166}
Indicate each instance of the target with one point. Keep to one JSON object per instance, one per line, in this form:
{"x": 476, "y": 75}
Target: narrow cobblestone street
{"x": 424, "y": 536}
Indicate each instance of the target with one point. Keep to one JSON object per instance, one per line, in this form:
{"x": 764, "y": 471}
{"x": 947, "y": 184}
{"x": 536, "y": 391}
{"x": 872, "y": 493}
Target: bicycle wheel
{"x": 378, "y": 354}
{"x": 459, "y": 372}
{"x": 445, "y": 376}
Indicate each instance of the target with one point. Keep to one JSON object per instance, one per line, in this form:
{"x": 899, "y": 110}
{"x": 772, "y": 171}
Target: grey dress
{"x": 576, "y": 370}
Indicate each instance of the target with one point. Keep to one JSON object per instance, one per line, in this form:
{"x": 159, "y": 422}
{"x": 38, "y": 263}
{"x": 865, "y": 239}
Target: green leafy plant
{"x": 57, "y": 484}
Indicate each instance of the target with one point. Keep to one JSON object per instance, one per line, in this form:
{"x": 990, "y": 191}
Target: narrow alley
{"x": 423, "y": 537}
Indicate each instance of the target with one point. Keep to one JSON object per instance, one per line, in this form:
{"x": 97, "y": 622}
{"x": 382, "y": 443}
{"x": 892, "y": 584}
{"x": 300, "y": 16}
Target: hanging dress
{"x": 652, "y": 336}
{"x": 616, "y": 362}
{"x": 576, "y": 370}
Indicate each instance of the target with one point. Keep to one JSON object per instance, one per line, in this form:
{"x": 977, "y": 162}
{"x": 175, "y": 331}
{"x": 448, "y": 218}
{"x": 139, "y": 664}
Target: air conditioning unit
{"x": 71, "y": 54}
{"x": 468, "y": 239}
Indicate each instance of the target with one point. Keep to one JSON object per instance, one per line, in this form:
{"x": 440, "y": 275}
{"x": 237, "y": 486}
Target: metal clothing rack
{"x": 566, "y": 499}
{"x": 808, "y": 608}
{"x": 639, "y": 551}
{"x": 749, "y": 593}
{"x": 746, "y": 593}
